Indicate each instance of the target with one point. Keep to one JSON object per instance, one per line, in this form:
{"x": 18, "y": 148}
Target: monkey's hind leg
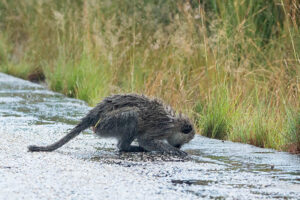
{"x": 124, "y": 143}
{"x": 124, "y": 146}
{"x": 159, "y": 146}
{"x": 122, "y": 124}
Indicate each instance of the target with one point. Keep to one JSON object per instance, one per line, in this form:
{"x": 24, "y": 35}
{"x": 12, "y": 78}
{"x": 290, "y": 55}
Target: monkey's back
{"x": 153, "y": 114}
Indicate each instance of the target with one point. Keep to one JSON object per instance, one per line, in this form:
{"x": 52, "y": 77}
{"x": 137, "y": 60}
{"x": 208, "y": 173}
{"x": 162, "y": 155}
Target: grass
{"x": 293, "y": 131}
{"x": 233, "y": 66}
{"x": 85, "y": 79}
{"x": 216, "y": 116}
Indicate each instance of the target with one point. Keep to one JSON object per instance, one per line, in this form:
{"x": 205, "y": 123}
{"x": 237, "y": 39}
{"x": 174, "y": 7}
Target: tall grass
{"x": 293, "y": 131}
{"x": 233, "y": 66}
{"x": 216, "y": 115}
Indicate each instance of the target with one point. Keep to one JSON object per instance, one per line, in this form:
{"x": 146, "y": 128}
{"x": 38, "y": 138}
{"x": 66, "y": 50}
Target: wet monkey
{"x": 128, "y": 117}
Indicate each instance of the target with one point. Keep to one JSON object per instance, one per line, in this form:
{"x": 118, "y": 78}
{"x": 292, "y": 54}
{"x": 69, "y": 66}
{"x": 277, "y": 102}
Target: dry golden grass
{"x": 233, "y": 66}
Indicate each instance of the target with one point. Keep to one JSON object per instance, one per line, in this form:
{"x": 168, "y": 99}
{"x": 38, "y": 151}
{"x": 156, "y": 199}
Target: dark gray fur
{"x": 127, "y": 117}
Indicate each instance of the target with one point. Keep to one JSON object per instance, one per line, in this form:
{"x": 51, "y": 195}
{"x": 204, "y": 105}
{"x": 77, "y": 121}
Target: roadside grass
{"x": 258, "y": 127}
{"x": 86, "y": 79}
{"x": 21, "y": 70}
{"x": 233, "y": 66}
{"x": 216, "y": 117}
{"x": 293, "y": 131}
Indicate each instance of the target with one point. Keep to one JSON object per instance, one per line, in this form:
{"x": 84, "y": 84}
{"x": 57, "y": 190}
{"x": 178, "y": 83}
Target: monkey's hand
{"x": 179, "y": 153}
{"x": 156, "y": 145}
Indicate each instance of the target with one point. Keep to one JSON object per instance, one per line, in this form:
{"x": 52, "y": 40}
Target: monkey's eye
{"x": 186, "y": 128}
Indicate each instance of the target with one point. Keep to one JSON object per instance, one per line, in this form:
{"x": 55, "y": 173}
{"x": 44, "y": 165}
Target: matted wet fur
{"x": 127, "y": 117}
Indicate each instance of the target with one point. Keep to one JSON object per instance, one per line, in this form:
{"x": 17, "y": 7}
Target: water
{"x": 92, "y": 168}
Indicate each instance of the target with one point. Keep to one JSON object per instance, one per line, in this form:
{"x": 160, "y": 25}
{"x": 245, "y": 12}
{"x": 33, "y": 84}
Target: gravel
{"x": 92, "y": 168}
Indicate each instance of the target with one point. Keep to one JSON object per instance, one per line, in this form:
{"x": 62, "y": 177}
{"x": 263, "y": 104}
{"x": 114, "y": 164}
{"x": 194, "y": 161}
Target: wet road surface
{"x": 92, "y": 168}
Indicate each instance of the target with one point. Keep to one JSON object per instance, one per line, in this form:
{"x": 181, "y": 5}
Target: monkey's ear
{"x": 186, "y": 128}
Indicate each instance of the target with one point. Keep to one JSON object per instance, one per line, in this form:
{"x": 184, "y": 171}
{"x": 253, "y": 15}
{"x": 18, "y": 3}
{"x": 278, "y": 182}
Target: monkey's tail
{"x": 85, "y": 123}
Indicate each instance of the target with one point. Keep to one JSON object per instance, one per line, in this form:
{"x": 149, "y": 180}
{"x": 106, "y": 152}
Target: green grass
{"x": 86, "y": 79}
{"x": 293, "y": 131}
{"x": 233, "y": 66}
{"x": 216, "y": 117}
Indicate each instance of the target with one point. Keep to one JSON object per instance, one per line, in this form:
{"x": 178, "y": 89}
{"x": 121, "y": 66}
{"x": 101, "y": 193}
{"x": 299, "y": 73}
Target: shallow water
{"x": 92, "y": 168}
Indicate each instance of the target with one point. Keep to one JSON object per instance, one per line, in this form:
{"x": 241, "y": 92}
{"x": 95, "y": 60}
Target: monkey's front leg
{"x": 156, "y": 145}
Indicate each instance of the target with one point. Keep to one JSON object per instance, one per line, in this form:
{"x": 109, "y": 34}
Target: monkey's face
{"x": 184, "y": 133}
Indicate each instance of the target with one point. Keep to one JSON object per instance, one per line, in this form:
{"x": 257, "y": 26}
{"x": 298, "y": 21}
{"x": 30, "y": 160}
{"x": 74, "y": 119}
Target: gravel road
{"x": 92, "y": 168}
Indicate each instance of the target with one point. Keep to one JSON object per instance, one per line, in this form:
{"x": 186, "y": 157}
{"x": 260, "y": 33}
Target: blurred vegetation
{"x": 233, "y": 65}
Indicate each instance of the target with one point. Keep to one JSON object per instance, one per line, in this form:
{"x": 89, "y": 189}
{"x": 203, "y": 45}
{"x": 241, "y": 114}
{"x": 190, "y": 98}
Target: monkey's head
{"x": 184, "y": 132}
